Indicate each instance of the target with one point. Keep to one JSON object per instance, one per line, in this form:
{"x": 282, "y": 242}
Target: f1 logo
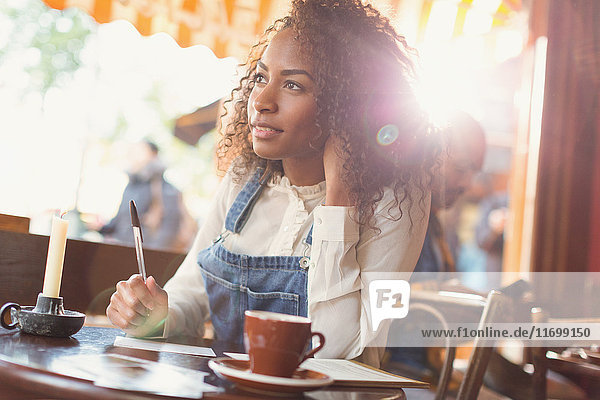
{"x": 389, "y": 300}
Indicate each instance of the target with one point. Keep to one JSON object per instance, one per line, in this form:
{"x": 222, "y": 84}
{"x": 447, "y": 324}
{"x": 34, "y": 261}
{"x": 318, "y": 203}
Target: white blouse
{"x": 342, "y": 255}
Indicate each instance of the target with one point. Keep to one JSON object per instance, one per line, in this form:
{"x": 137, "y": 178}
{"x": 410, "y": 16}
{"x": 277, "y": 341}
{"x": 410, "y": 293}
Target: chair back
{"x": 493, "y": 311}
{"x": 448, "y": 306}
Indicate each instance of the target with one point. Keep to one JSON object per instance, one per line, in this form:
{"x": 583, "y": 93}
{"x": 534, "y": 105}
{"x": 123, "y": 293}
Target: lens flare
{"x": 388, "y": 134}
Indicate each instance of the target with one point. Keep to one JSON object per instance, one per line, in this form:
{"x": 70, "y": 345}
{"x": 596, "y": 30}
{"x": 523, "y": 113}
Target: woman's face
{"x": 282, "y": 107}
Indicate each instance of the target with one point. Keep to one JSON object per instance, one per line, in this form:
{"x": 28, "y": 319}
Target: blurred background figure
{"x": 458, "y": 183}
{"x": 165, "y": 220}
{"x": 460, "y": 162}
{"x": 489, "y": 231}
{"x": 475, "y": 231}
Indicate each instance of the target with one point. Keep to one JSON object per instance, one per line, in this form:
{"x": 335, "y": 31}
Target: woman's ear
{"x": 318, "y": 141}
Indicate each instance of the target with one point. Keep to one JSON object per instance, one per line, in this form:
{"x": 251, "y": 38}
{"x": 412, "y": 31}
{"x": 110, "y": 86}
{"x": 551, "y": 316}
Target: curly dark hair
{"x": 364, "y": 73}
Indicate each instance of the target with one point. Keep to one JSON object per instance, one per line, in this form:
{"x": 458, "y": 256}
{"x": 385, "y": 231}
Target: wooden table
{"x": 27, "y": 369}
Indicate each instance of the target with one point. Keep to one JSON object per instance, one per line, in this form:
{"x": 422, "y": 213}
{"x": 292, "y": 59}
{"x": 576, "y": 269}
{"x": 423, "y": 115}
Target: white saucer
{"x": 238, "y": 371}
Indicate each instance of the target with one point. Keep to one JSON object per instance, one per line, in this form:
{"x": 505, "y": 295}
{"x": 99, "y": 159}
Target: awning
{"x": 228, "y": 27}
{"x": 191, "y": 127}
{"x": 231, "y": 27}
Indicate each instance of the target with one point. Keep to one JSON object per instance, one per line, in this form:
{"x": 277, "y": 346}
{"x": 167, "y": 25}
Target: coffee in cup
{"x": 278, "y": 343}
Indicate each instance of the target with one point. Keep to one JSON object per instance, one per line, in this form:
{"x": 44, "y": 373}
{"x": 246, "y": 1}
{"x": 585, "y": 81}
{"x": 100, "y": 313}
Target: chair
{"x": 471, "y": 383}
{"x": 446, "y": 371}
{"x": 447, "y": 306}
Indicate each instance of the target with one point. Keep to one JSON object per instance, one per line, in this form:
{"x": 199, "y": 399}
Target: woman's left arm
{"x": 344, "y": 259}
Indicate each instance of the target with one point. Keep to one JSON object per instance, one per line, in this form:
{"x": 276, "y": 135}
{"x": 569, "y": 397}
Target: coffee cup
{"x": 278, "y": 343}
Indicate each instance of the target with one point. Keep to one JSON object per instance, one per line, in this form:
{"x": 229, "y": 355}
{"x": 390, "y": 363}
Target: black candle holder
{"x": 47, "y": 318}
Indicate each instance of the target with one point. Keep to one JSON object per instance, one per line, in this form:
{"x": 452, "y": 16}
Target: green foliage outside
{"x": 52, "y": 39}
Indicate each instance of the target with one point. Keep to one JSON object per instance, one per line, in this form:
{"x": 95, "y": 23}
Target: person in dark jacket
{"x": 460, "y": 162}
{"x": 157, "y": 201}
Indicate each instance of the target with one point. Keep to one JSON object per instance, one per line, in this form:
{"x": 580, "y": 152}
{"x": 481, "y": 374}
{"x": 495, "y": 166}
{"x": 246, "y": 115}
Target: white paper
{"x": 128, "y": 373}
{"x": 133, "y": 343}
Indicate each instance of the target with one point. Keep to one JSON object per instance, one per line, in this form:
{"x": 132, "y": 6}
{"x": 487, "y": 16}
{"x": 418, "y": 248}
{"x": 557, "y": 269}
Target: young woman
{"x": 329, "y": 183}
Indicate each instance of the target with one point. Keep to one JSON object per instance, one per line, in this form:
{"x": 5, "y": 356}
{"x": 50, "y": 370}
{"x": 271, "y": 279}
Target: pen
{"x": 138, "y": 239}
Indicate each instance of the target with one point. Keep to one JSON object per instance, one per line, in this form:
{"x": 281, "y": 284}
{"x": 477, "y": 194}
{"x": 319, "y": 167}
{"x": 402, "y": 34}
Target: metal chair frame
{"x": 490, "y": 310}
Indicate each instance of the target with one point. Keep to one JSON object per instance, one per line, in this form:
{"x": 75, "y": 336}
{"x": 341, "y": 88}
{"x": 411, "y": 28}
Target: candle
{"x": 56, "y": 256}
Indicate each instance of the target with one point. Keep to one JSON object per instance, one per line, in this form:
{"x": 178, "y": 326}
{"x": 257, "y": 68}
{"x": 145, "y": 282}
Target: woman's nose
{"x": 264, "y": 101}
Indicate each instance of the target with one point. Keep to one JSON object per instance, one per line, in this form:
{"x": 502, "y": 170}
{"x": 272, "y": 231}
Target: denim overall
{"x": 238, "y": 282}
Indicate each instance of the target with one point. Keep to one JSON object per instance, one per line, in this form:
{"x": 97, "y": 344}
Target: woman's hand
{"x": 138, "y": 307}
{"x": 337, "y": 193}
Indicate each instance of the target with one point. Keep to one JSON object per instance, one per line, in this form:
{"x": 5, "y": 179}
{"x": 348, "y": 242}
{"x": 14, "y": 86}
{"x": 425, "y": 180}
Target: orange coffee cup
{"x": 277, "y": 343}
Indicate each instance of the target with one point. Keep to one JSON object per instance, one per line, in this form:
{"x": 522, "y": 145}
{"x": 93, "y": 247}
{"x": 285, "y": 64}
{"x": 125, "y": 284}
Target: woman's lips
{"x": 263, "y": 132}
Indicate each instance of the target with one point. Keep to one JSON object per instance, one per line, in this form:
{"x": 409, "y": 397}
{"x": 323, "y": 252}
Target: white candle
{"x": 56, "y": 256}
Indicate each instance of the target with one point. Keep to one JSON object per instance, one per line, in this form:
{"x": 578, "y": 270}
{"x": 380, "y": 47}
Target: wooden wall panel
{"x": 570, "y": 132}
{"x": 90, "y": 271}
{"x": 594, "y": 248}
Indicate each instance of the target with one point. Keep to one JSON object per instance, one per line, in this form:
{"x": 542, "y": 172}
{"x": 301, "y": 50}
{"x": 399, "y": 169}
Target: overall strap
{"x": 309, "y": 236}
{"x": 242, "y": 206}
{"x": 240, "y": 209}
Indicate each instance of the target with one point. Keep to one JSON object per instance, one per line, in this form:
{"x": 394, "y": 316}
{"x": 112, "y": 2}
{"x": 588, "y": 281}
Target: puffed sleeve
{"x": 345, "y": 256}
{"x": 188, "y": 301}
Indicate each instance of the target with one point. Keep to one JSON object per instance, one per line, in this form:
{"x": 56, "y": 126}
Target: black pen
{"x": 138, "y": 239}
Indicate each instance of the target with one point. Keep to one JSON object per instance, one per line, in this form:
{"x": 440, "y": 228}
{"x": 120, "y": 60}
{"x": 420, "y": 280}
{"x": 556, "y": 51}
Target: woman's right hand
{"x": 138, "y": 307}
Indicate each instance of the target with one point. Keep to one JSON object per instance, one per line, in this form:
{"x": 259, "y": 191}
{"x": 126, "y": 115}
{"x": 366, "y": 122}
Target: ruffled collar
{"x": 283, "y": 183}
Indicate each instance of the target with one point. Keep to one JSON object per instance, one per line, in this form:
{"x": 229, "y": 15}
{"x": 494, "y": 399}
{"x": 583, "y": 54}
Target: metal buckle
{"x": 305, "y": 259}
{"x": 221, "y": 237}
{"x": 304, "y": 262}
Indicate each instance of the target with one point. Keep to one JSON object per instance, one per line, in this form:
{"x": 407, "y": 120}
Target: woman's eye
{"x": 292, "y": 85}
{"x": 259, "y": 78}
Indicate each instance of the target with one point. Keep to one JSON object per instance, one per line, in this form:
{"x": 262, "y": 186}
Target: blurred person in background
{"x": 461, "y": 160}
{"x": 159, "y": 203}
{"x": 489, "y": 231}
{"x": 460, "y": 163}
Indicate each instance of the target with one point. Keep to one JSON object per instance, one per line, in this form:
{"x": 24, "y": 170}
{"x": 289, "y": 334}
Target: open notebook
{"x": 352, "y": 373}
